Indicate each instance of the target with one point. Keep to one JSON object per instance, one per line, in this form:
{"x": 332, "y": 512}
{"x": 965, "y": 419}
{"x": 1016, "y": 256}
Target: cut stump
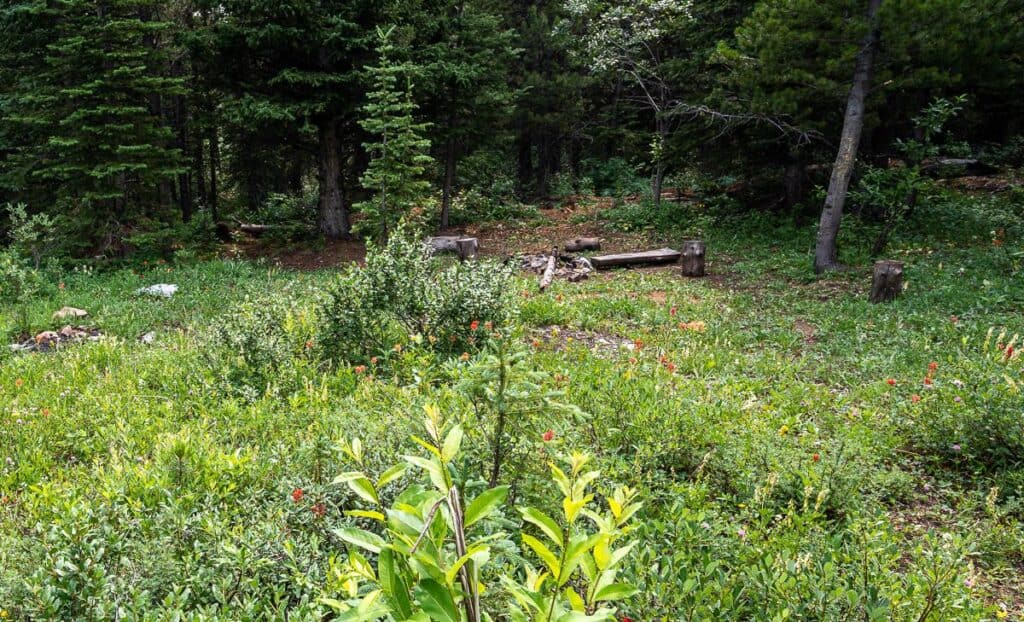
{"x": 659, "y": 256}
{"x": 467, "y": 248}
{"x": 886, "y": 281}
{"x": 693, "y": 258}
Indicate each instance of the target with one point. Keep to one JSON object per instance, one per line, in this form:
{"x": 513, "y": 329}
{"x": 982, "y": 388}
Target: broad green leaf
{"x": 427, "y": 445}
{"x": 348, "y": 476}
{"x": 364, "y": 488}
{"x": 452, "y": 443}
{"x": 484, "y": 504}
{"x": 390, "y": 475}
{"x": 544, "y": 553}
{"x": 365, "y": 514}
{"x": 433, "y": 469}
{"x": 479, "y": 556}
{"x": 437, "y": 601}
{"x": 393, "y": 584}
{"x": 615, "y": 591}
{"x": 575, "y": 600}
{"x": 361, "y": 538}
{"x": 546, "y": 524}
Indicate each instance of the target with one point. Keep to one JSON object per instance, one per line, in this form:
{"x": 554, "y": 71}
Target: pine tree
{"x": 85, "y": 111}
{"x": 464, "y": 55}
{"x": 398, "y": 152}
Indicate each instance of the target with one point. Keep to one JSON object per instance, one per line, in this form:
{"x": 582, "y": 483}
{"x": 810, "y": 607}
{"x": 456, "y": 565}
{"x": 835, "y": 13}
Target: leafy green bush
{"x": 432, "y": 566}
{"x": 966, "y": 413}
{"x": 402, "y": 292}
{"x": 262, "y": 345}
{"x": 615, "y": 177}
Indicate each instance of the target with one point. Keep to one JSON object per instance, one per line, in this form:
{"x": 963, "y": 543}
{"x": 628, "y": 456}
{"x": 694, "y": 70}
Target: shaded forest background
{"x": 138, "y": 123}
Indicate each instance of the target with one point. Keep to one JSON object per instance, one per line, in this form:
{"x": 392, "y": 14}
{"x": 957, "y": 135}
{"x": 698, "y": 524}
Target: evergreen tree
{"x": 464, "y": 56}
{"x": 288, "y": 74}
{"x": 84, "y": 111}
{"x": 398, "y": 151}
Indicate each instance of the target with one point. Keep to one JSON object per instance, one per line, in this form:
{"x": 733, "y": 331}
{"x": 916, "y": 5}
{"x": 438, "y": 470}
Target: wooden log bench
{"x": 641, "y": 258}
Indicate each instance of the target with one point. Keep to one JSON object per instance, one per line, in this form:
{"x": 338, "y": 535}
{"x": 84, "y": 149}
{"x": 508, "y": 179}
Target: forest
{"x": 546, "y": 311}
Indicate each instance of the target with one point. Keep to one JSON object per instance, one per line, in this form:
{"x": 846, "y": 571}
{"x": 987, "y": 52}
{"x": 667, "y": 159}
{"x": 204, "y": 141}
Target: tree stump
{"x": 576, "y": 245}
{"x": 886, "y": 281}
{"x": 467, "y": 248}
{"x": 693, "y": 258}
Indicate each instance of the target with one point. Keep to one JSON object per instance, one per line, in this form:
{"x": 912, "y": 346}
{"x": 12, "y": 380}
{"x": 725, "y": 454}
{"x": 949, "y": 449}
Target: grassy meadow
{"x": 799, "y": 453}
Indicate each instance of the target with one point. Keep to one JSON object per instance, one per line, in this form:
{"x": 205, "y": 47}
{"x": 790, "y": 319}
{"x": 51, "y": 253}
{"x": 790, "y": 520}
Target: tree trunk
{"x": 181, "y": 119}
{"x": 214, "y": 165}
{"x": 825, "y": 252}
{"x": 659, "y": 164}
{"x": 334, "y": 222}
{"x": 199, "y": 171}
{"x": 449, "y": 182}
{"x": 793, "y": 180}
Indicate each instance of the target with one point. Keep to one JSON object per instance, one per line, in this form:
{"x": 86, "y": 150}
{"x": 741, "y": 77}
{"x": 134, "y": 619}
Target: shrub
{"x": 967, "y": 413}
{"x": 434, "y": 547}
{"x": 402, "y": 291}
{"x": 263, "y": 345}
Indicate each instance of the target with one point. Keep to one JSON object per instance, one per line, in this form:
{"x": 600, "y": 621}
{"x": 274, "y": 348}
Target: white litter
{"x": 162, "y": 290}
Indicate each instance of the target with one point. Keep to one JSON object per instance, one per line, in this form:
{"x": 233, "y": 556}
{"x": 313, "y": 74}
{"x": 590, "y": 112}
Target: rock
{"x": 66, "y": 312}
{"x": 162, "y": 290}
{"x": 68, "y": 332}
{"x": 148, "y": 338}
{"x": 47, "y": 337}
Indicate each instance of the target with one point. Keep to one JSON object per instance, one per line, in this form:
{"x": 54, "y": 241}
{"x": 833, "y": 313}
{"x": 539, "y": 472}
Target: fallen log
{"x": 659, "y": 256}
{"x": 255, "y": 230}
{"x": 444, "y": 243}
{"x": 576, "y": 245}
{"x": 549, "y": 273}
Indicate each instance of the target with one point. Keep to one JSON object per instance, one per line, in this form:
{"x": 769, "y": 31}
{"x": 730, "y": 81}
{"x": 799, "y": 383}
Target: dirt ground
{"x": 555, "y": 225}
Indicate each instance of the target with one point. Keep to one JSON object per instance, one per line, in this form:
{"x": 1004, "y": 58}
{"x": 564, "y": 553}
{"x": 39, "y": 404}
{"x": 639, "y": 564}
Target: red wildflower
{"x": 46, "y": 412}
{"x": 928, "y": 381}
{"x": 549, "y": 436}
{"x": 474, "y": 325}
{"x": 671, "y": 367}
{"x": 638, "y": 344}
{"x": 464, "y": 357}
{"x": 933, "y": 366}
{"x": 672, "y": 311}
{"x": 627, "y": 619}
{"x": 61, "y": 286}
{"x": 559, "y": 298}
{"x": 373, "y": 360}
{"x": 309, "y": 345}
{"x": 360, "y": 369}
{"x": 891, "y": 382}
{"x": 18, "y": 382}
{"x": 1009, "y": 352}
{"x": 816, "y": 457}
{"x": 535, "y": 343}
{"x": 915, "y": 398}
{"x": 319, "y": 509}
{"x": 297, "y": 495}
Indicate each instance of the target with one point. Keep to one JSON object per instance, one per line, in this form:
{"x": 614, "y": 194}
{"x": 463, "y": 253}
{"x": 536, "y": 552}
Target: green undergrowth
{"x": 799, "y": 452}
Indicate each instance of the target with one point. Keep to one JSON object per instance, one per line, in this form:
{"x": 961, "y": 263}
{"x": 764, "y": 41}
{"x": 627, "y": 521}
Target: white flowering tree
{"x": 630, "y": 38}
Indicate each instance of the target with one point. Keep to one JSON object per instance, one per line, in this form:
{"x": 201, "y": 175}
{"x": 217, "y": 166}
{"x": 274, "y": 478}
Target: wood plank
{"x": 659, "y": 256}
